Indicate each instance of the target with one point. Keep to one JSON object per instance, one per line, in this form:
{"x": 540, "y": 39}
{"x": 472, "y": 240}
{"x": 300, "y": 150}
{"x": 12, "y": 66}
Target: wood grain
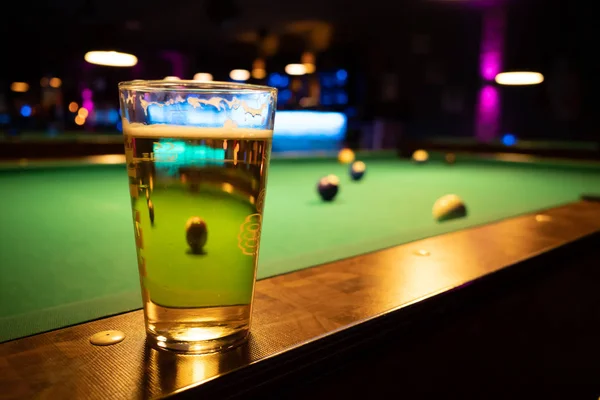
{"x": 295, "y": 315}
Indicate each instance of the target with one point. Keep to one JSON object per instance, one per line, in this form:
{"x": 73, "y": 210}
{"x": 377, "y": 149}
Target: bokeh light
{"x": 295, "y": 69}
{"x": 509, "y": 139}
{"x": 19, "y": 87}
{"x": 111, "y": 58}
{"x": 83, "y": 112}
{"x": 519, "y": 78}
{"x": 55, "y": 82}
{"x": 259, "y": 73}
{"x": 239, "y": 75}
{"x": 203, "y": 77}
{"x": 26, "y": 110}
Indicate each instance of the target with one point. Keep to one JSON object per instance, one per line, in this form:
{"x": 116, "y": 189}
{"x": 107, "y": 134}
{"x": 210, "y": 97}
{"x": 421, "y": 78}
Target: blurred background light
{"x": 509, "y": 139}
{"x": 203, "y": 77}
{"x": 259, "y": 70}
{"x": 308, "y": 60}
{"x": 79, "y": 120}
{"x": 519, "y": 78}
{"x": 83, "y": 112}
{"x": 331, "y": 125}
{"x": 111, "y": 58}
{"x": 55, "y": 82}
{"x": 295, "y": 69}
{"x": 26, "y": 110}
{"x": 19, "y": 87}
{"x": 239, "y": 75}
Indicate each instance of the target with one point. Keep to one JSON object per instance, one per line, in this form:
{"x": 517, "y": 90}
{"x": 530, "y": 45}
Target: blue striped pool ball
{"x": 328, "y": 187}
{"x": 357, "y": 170}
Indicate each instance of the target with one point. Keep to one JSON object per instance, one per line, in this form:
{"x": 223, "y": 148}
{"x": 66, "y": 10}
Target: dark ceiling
{"x": 208, "y": 23}
{"x": 46, "y": 33}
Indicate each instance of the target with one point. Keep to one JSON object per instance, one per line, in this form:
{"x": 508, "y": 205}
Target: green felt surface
{"x": 67, "y": 252}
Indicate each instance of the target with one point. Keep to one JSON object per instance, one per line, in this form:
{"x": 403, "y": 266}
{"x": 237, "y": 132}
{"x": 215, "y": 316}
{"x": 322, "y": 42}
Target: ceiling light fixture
{"x": 111, "y": 58}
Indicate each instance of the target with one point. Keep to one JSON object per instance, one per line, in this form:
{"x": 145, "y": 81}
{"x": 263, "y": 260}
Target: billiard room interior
{"x": 432, "y": 211}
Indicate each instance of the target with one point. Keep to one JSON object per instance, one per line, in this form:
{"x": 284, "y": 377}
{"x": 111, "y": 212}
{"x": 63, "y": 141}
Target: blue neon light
{"x": 326, "y": 99}
{"x": 342, "y": 98}
{"x": 113, "y": 116}
{"x": 509, "y": 139}
{"x": 328, "y": 80}
{"x": 278, "y": 80}
{"x": 310, "y": 124}
{"x": 341, "y": 75}
{"x": 26, "y": 110}
{"x": 107, "y": 117}
{"x": 284, "y": 96}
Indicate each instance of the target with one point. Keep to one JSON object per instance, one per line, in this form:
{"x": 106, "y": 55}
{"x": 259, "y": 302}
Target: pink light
{"x": 86, "y": 95}
{"x": 490, "y": 65}
{"x": 487, "y": 120}
{"x": 492, "y": 43}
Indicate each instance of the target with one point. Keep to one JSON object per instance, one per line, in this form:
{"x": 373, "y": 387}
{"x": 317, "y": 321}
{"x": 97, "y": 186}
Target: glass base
{"x": 197, "y": 330}
{"x": 197, "y": 340}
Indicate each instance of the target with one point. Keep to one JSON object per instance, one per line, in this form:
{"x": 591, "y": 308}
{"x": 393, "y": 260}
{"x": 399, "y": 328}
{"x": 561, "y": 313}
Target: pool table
{"x": 67, "y": 253}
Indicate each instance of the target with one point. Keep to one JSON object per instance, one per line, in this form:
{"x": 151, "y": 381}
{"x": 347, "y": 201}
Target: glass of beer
{"x": 197, "y": 162}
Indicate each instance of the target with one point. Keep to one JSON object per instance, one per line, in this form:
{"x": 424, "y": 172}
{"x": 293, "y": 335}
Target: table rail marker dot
{"x": 107, "y": 338}
{"x": 543, "y": 218}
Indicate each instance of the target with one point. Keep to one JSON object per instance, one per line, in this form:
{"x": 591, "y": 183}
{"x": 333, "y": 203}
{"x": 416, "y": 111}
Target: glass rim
{"x": 192, "y": 86}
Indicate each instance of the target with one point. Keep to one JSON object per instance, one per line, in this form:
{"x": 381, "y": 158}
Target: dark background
{"x": 416, "y": 62}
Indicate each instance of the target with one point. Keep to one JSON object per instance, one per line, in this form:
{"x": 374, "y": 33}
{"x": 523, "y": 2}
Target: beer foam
{"x": 229, "y": 131}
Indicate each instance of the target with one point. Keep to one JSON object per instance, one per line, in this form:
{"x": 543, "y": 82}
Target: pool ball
{"x": 449, "y": 207}
{"x": 196, "y": 234}
{"x": 151, "y": 211}
{"x": 450, "y": 158}
{"x": 357, "y": 170}
{"x": 328, "y": 187}
{"x": 346, "y": 156}
{"x": 420, "y": 156}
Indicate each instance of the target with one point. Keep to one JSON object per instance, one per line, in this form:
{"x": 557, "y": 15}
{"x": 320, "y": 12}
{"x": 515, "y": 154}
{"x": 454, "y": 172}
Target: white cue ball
{"x": 448, "y": 207}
